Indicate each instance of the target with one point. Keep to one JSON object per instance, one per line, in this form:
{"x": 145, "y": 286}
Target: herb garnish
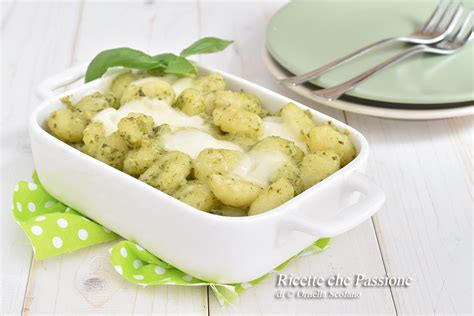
{"x": 167, "y": 62}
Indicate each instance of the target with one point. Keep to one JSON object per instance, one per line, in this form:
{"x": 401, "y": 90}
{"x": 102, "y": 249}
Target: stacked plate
{"x": 305, "y": 35}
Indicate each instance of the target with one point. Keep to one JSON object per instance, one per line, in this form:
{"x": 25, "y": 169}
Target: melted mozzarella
{"x": 108, "y": 118}
{"x": 159, "y": 110}
{"x": 192, "y": 141}
{"x": 259, "y": 166}
{"x": 274, "y": 126}
{"x": 181, "y": 84}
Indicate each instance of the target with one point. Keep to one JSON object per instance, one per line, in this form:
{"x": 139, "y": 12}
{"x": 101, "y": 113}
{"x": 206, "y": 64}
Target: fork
{"x": 431, "y": 32}
{"x": 454, "y": 42}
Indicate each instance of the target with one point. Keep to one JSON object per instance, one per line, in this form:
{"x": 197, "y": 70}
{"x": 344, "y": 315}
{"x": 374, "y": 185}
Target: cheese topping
{"x": 274, "y": 126}
{"x": 260, "y": 166}
{"x": 192, "y": 141}
{"x": 159, "y": 110}
{"x": 182, "y": 84}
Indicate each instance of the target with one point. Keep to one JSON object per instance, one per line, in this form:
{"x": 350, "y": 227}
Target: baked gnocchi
{"x": 212, "y": 148}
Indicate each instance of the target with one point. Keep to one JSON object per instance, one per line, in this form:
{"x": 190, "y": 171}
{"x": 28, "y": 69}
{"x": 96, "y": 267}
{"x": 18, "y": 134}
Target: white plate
{"x": 304, "y": 90}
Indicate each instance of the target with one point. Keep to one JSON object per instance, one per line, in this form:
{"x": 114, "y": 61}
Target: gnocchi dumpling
{"x": 209, "y": 99}
{"x": 149, "y": 87}
{"x": 238, "y": 122}
{"x": 234, "y": 191}
{"x": 318, "y": 166}
{"x": 291, "y": 173}
{"x": 93, "y": 137}
{"x": 121, "y": 82}
{"x": 211, "y": 82}
{"x": 136, "y": 128}
{"x": 197, "y": 194}
{"x": 245, "y": 143}
{"x": 169, "y": 172}
{"x": 112, "y": 150}
{"x": 67, "y": 125}
{"x": 191, "y": 102}
{"x": 216, "y": 161}
{"x": 140, "y": 159}
{"x": 299, "y": 121}
{"x": 240, "y": 100}
{"x": 274, "y": 195}
{"x": 91, "y": 104}
{"x": 285, "y": 146}
{"x": 325, "y": 137}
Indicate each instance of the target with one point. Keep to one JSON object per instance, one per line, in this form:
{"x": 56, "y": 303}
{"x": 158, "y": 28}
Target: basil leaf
{"x": 168, "y": 62}
{"x": 125, "y": 57}
{"x": 206, "y": 45}
{"x": 162, "y": 62}
{"x": 164, "y": 59}
{"x": 180, "y": 66}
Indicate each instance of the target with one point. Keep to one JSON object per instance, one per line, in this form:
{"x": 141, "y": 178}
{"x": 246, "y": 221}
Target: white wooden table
{"x": 424, "y": 231}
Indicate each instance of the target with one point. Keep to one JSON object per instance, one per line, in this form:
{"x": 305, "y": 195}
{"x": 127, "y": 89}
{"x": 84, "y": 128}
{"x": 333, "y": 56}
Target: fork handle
{"x": 335, "y": 92}
{"x": 296, "y": 80}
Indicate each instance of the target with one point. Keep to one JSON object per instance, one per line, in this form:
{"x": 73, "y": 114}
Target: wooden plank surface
{"x": 349, "y": 254}
{"x": 425, "y": 228}
{"x": 424, "y": 231}
{"x": 86, "y": 283}
{"x": 32, "y": 47}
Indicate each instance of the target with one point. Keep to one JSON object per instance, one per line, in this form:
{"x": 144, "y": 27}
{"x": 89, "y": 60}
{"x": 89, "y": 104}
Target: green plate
{"x": 305, "y": 35}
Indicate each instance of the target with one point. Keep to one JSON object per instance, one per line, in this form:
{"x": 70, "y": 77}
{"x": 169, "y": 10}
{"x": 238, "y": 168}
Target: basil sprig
{"x": 206, "y": 45}
{"x": 167, "y": 63}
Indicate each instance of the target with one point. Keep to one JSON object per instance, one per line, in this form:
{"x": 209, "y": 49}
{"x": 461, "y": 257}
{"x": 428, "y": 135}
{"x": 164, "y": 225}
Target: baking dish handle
{"x": 46, "y": 88}
{"x": 372, "y": 200}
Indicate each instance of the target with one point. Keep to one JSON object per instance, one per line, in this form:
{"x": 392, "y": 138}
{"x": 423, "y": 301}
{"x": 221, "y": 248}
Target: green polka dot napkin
{"x": 141, "y": 267}
{"x": 54, "y": 228}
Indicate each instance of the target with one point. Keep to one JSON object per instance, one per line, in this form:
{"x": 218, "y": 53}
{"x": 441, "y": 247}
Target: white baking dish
{"x": 209, "y": 247}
